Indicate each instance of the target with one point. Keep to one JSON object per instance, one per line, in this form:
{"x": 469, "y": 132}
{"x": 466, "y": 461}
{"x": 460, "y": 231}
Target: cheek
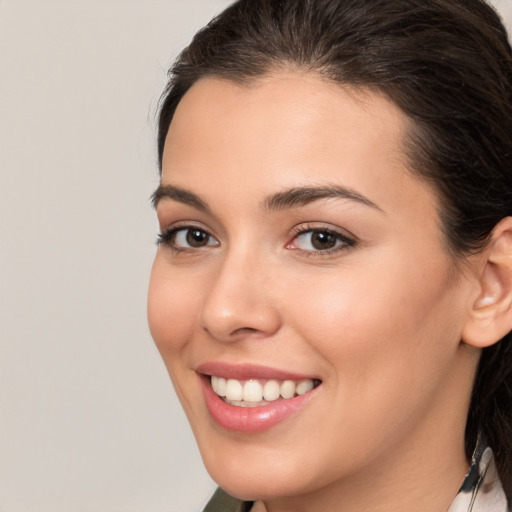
{"x": 386, "y": 322}
{"x": 387, "y": 339}
{"x": 171, "y": 306}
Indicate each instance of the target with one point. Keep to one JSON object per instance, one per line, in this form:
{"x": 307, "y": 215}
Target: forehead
{"x": 291, "y": 107}
{"x": 288, "y": 129}
{"x": 284, "y": 103}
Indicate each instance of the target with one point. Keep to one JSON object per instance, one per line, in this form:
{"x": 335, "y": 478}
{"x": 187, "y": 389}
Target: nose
{"x": 240, "y": 302}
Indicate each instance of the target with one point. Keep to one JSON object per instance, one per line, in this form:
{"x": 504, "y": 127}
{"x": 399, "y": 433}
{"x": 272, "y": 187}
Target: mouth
{"x": 252, "y": 399}
{"x": 259, "y": 392}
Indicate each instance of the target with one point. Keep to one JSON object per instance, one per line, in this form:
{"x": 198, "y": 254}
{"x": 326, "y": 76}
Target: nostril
{"x": 245, "y": 330}
{"x": 236, "y": 334}
{"x": 231, "y": 312}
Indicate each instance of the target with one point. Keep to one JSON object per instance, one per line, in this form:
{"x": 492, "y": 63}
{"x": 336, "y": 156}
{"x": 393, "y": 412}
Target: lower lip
{"x": 251, "y": 419}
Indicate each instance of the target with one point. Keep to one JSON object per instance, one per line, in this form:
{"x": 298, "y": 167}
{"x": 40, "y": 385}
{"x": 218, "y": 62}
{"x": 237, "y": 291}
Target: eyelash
{"x": 168, "y": 236}
{"x": 346, "y": 242}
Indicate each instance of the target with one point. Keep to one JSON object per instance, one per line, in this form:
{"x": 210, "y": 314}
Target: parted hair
{"x": 448, "y": 65}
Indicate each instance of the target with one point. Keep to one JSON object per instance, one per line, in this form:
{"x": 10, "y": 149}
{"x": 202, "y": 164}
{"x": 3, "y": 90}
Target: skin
{"x": 379, "y": 321}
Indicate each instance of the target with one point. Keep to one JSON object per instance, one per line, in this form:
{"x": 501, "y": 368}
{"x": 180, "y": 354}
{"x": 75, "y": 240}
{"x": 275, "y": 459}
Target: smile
{"x": 257, "y": 392}
{"x": 250, "y": 399}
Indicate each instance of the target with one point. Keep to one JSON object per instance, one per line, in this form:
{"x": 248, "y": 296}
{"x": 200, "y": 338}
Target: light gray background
{"x": 88, "y": 420}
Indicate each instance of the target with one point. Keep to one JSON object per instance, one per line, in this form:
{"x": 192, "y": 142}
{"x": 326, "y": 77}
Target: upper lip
{"x": 245, "y": 371}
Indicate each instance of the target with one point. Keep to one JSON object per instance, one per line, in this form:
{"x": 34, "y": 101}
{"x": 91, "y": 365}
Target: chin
{"x": 248, "y": 486}
{"x": 251, "y": 472}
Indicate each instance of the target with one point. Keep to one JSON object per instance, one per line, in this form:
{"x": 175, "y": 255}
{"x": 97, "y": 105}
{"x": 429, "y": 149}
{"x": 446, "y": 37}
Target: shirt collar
{"x": 481, "y": 490}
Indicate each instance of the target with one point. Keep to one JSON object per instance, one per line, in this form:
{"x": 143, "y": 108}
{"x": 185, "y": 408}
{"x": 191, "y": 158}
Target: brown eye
{"x": 316, "y": 240}
{"x": 196, "y": 237}
{"x": 322, "y": 240}
{"x": 187, "y": 238}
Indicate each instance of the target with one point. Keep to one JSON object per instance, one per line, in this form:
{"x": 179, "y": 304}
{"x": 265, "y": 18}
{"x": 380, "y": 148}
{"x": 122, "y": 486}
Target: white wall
{"x": 88, "y": 421}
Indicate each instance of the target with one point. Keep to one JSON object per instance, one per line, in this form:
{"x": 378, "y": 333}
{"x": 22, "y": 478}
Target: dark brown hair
{"x": 448, "y": 65}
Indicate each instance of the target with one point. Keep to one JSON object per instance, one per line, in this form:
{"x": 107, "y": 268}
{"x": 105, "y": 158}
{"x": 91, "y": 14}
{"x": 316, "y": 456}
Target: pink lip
{"x": 249, "y": 419}
{"x": 247, "y": 371}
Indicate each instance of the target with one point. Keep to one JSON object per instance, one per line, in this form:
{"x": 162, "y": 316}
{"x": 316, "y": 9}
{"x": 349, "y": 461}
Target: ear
{"x": 490, "y": 318}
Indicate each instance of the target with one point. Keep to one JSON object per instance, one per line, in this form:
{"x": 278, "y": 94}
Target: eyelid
{"x": 348, "y": 240}
{"x": 167, "y": 235}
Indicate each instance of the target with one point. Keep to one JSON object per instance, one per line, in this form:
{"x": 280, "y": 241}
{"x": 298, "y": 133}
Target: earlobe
{"x": 490, "y": 318}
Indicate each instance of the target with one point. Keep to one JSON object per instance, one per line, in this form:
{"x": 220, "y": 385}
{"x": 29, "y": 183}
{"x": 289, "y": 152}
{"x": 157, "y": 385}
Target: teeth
{"x": 233, "y": 390}
{"x": 304, "y": 386}
{"x": 253, "y": 391}
{"x": 219, "y": 385}
{"x": 288, "y": 389}
{"x": 271, "y": 390}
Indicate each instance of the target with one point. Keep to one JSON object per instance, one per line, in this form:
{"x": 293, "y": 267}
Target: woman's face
{"x": 296, "y": 246}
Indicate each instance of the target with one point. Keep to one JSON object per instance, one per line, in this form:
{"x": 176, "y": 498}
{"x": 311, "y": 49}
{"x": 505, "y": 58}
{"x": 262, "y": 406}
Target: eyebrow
{"x": 301, "y": 196}
{"x": 290, "y": 198}
{"x": 180, "y": 195}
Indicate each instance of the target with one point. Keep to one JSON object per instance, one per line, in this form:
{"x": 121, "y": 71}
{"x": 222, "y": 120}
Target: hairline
{"x": 408, "y": 150}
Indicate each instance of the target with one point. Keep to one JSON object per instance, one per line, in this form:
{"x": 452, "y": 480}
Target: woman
{"x": 332, "y": 292}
